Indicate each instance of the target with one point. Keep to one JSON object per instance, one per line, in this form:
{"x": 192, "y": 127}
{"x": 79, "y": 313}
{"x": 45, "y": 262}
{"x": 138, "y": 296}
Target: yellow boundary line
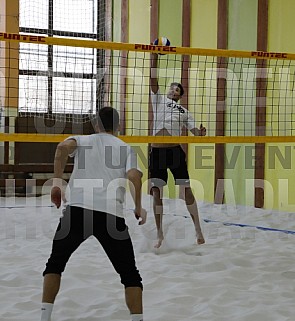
{"x": 14, "y": 37}
{"x": 51, "y": 138}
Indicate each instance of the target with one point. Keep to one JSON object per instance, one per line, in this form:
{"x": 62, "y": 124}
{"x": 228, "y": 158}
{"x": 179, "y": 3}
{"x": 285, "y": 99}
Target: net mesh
{"x": 63, "y": 68}
{"x": 60, "y": 17}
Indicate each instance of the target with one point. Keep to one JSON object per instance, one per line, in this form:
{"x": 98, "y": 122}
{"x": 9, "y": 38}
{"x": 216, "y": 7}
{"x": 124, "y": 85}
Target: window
{"x": 61, "y": 79}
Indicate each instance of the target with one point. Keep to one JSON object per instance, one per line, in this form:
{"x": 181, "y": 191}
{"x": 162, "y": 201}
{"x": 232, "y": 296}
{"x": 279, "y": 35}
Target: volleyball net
{"x": 239, "y": 96}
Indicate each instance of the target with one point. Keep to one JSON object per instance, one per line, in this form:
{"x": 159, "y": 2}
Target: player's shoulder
{"x": 119, "y": 141}
{"x": 112, "y": 140}
{"x": 84, "y": 139}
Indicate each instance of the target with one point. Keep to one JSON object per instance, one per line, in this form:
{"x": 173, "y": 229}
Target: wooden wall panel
{"x": 261, "y": 92}
{"x": 221, "y": 101}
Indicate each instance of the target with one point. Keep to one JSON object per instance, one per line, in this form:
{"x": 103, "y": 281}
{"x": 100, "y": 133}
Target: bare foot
{"x": 200, "y": 241}
{"x": 160, "y": 240}
{"x": 199, "y": 238}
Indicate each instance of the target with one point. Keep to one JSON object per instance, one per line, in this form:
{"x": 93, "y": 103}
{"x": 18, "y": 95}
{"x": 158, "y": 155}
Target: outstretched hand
{"x": 202, "y": 130}
{"x": 140, "y": 214}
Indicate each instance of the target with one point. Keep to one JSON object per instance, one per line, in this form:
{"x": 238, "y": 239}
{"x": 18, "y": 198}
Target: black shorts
{"x": 173, "y": 158}
{"x": 77, "y": 224}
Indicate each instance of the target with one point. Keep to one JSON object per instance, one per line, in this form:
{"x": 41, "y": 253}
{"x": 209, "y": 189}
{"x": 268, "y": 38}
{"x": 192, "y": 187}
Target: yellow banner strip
{"x": 50, "y": 138}
{"x": 14, "y": 37}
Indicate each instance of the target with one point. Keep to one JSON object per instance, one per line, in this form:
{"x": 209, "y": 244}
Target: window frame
{"x": 51, "y": 74}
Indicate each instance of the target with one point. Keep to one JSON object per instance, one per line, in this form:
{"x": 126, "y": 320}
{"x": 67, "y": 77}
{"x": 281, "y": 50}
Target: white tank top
{"x": 98, "y": 181}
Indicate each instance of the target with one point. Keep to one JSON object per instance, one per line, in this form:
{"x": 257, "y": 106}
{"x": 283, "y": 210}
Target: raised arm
{"x": 63, "y": 150}
{"x": 154, "y": 73}
{"x": 134, "y": 176}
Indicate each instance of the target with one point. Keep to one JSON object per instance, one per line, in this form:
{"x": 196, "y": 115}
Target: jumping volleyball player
{"x": 95, "y": 209}
{"x": 169, "y": 119}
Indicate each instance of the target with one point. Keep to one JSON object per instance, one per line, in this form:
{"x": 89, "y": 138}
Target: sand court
{"x": 241, "y": 273}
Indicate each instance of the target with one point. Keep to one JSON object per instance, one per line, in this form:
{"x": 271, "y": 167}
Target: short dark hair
{"x": 179, "y": 85}
{"x": 108, "y": 119}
